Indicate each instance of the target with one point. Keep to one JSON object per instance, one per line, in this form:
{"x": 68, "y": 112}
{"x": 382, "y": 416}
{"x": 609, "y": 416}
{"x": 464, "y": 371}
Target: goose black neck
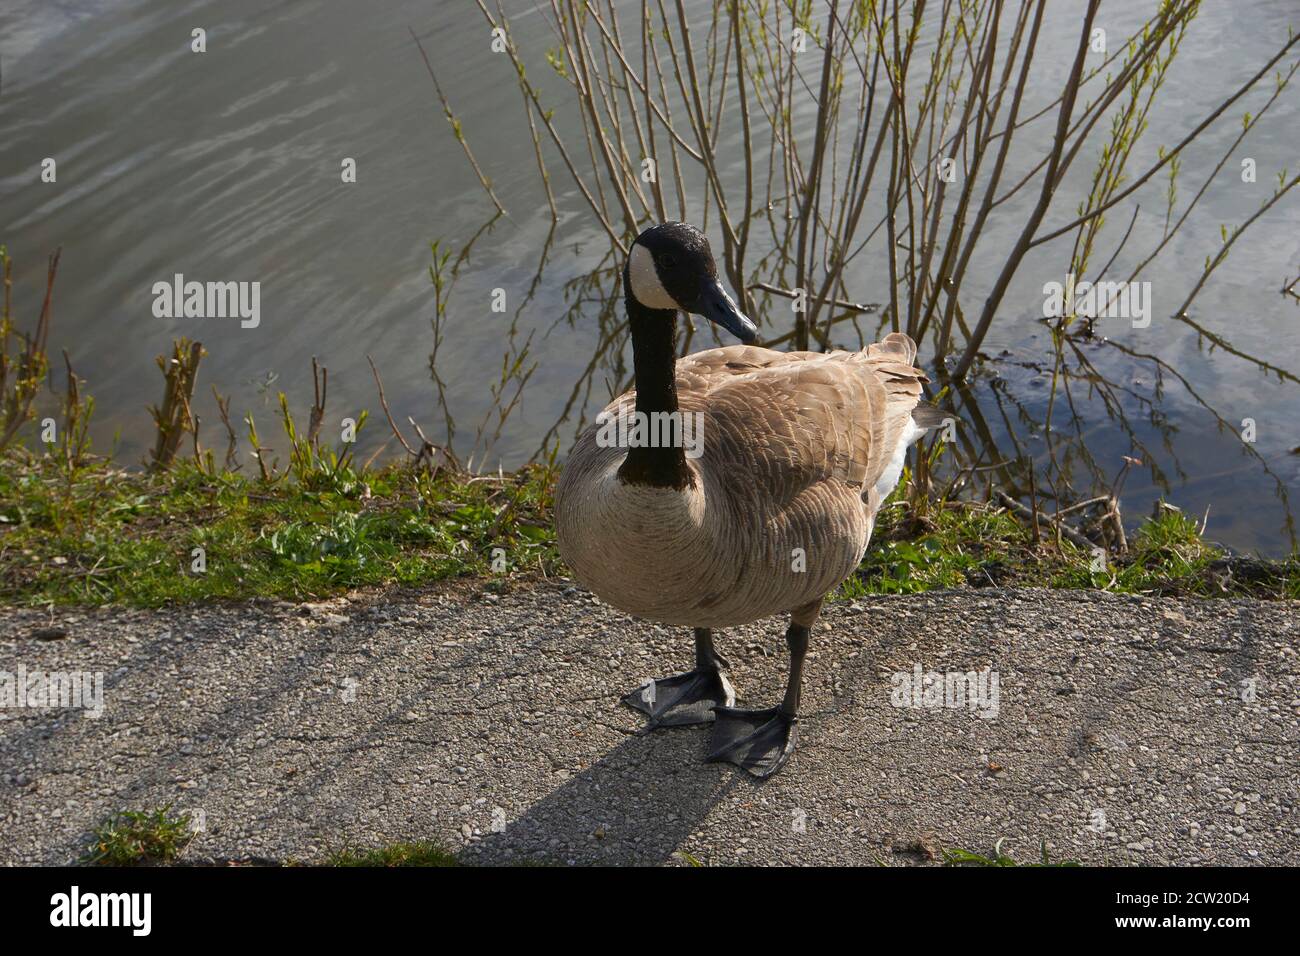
{"x": 654, "y": 360}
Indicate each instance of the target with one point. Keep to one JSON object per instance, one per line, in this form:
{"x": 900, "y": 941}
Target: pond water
{"x": 225, "y": 166}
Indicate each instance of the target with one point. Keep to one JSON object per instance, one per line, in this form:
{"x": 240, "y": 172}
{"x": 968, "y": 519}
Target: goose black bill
{"x": 717, "y": 306}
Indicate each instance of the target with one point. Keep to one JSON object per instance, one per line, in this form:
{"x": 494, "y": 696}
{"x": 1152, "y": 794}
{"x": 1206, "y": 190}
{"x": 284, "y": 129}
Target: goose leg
{"x": 688, "y": 698}
{"x": 761, "y": 741}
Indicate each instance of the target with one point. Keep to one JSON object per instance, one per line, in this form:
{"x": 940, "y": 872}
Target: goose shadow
{"x": 634, "y": 806}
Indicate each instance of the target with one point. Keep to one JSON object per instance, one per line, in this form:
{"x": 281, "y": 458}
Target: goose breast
{"x": 798, "y": 448}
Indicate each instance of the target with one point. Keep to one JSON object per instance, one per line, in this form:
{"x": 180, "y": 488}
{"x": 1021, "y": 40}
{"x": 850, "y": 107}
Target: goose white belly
{"x": 894, "y": 470}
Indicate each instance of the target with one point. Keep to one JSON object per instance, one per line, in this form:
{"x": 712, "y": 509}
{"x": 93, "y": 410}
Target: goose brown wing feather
{"x": 785, "y": 421}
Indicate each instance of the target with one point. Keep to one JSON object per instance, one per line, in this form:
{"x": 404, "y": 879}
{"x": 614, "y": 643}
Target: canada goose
{"x": 769, "y": 514}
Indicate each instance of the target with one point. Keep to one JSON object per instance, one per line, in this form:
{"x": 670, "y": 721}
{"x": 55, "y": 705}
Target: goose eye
{"x": 667, "y": 261}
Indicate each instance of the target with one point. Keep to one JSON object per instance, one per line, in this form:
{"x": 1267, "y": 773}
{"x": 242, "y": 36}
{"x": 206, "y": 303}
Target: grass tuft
{"x": 419, "y": 853}
{"x": 959, "y": 857}
{"x": 133, "y": 837}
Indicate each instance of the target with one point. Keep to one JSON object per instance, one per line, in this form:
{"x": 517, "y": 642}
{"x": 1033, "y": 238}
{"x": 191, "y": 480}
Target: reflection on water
{"x": 225, "y": 166}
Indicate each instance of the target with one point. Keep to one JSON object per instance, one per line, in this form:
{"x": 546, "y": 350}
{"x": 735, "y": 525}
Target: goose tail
{"x": 927, "y": 416}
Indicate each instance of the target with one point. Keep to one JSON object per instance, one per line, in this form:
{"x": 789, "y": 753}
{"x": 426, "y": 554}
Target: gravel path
{"x": 1123, "y": 731}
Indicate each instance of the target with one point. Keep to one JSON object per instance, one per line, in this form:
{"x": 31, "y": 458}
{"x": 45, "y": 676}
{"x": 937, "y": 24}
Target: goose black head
{"x": 671, "y": 267}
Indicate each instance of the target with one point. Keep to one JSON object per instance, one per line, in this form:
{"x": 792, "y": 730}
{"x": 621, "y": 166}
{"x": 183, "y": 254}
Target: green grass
{"x": 1168, "y": 556}
{"x": 952, "y": 547}
{"x": 958, "y": 857}
{"x": 966, "y": 544}
{"x": 419, "y": 853}
{"x": 96, "y": 534}
{"x": 108, "y": 535}
{"x": 133, "y": 837}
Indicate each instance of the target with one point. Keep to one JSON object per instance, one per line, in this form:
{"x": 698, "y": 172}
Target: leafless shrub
{"x": 173, "y": 419}
{"x": 22, "y": 372}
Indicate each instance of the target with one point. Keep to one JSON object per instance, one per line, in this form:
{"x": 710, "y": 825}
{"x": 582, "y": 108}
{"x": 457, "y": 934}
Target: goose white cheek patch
{"x": 644, "y": 279}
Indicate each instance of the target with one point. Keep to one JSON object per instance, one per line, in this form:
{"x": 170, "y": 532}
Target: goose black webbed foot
{"x": 688, "y": 698}
{"x": 759, "y": 741}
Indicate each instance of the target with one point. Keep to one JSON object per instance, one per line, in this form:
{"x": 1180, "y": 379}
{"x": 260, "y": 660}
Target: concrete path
{"x": 1122, "y": 731}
